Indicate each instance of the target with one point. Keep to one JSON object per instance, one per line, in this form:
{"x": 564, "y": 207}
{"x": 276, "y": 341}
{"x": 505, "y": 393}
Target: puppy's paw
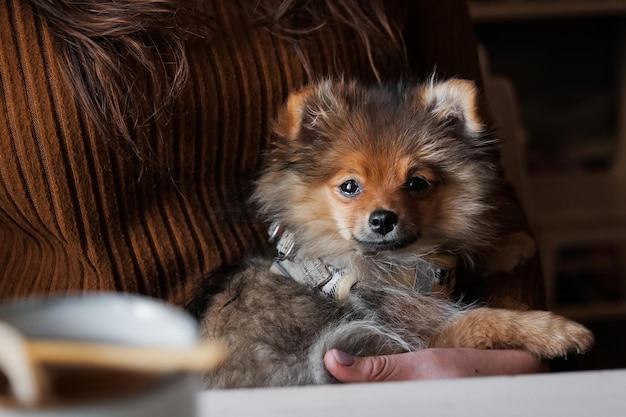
{"x": 548, "y": 335}
{"x": 568, "y": 337}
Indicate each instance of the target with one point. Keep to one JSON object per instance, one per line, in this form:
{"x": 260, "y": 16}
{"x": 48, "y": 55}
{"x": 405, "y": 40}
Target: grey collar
{"x": 436, "y": 274}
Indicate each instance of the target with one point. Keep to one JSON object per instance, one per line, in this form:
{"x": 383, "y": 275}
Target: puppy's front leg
{"x": 542, "y": 333}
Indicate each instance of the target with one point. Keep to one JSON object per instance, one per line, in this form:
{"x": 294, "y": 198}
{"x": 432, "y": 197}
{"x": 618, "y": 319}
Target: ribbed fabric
{"x": 76, "y": 215}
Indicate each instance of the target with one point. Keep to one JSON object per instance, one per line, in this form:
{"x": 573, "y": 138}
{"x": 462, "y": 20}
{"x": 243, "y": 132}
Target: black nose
{"x": 383, "y": 221}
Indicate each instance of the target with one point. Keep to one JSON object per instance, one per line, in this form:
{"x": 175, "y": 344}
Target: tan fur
{"x": 292, "y": 115}
{"x": 343, "y": 154}
{"x": 538, "y": 332}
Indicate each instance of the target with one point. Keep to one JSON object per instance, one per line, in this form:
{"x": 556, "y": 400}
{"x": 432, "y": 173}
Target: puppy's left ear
{"x": 453, "y": 102}
{"x": 289, "y": 120}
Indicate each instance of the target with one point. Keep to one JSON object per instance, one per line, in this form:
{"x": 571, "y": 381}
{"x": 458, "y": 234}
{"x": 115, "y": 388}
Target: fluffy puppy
{"x": 372, "y": 193}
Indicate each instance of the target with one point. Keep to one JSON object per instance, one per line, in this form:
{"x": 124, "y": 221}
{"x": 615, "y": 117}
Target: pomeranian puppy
{"x": 371, "y": 193}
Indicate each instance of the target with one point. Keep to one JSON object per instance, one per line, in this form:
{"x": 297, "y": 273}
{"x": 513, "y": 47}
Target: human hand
{"x": 435, "y": 363}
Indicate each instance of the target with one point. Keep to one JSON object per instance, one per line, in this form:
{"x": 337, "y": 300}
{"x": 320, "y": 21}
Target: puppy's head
{"x": 385, "y": 169}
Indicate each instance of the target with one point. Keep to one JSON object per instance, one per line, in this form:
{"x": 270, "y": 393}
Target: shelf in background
{"x": 507, "y": 10}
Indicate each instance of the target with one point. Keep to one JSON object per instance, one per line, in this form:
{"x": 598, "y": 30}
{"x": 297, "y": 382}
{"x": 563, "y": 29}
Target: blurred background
{"x": 555, "y": 75}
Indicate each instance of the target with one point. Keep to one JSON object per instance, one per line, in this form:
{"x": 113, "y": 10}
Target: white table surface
{"x": 569, "y": 394}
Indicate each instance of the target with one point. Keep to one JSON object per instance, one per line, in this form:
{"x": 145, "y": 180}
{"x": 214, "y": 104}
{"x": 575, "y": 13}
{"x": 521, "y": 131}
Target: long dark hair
{"x": 374, "y": 22}
{"x": 112, "y": 52}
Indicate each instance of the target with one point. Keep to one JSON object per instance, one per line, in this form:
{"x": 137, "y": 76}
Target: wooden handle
{"x": 203, "y": 357}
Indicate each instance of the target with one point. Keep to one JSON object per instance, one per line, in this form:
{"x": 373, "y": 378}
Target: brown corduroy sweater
{"x": 77, "y": 215}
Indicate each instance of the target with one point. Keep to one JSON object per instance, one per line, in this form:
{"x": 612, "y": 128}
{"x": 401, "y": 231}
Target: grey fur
{"x": 279, "y": 330}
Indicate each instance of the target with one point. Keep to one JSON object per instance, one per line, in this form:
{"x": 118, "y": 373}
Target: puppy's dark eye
{"x": 350, "y": 188}
{"x": 418, "y": 184}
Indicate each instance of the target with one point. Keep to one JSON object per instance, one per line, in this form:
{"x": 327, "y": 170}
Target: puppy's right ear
{"x": 453, "y": 102}
{"x": 289, "y": 119}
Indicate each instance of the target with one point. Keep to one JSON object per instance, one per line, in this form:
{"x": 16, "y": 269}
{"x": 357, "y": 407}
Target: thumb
{"x": 348, "y": 368}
